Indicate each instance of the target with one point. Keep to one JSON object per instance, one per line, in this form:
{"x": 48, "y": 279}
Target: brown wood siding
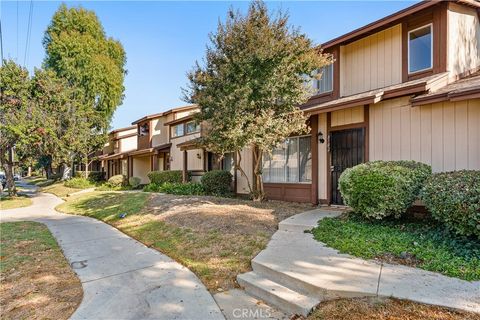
{"x": 295, "y": 192}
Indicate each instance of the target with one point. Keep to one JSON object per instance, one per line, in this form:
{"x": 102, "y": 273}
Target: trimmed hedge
{"x": 134, "y": 182}
{"x": 171, "y": 176}
{"x": 380, "y": 189}
{"x": 94, "y": 176}
{"x": 453, "y": 198}
{"x": 117, "y": 181}
{"x": 217, "y": 182}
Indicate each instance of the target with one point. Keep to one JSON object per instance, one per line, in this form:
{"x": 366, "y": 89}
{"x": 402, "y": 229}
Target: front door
{"x": 347, "y": 149}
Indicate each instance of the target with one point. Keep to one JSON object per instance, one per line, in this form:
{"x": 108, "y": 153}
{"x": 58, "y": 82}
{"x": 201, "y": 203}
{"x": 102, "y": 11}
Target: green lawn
{"x": 423, "y": 244}
{"x": 7, "y": 202}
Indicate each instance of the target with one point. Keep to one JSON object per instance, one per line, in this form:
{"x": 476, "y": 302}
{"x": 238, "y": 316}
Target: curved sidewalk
{"x": 121, "y": 277}
{"x": 295, "y": 272}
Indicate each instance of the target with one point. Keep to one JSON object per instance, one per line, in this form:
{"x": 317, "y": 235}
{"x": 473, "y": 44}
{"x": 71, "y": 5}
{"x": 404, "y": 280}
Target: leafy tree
{"x": 62, "y": 119}
{"x": 17, "y": 127}
{"x": 78, "y": 50}
{"x": 251, "y": 83}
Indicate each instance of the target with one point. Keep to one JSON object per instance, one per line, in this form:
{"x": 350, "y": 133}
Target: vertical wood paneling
{"x": 426, "y": 133}
{"x": 347, "y": 116}
{"x": 386, "y": 153}
{"x": 461, "y": 134}
{"x": 372, "y": 62}
{"x": 378, "y": 133}
{"x": 474, "y": 134}
{"x": 322, "y": 158}
{"x": 437, "y": 136}
{"x": 415, "y": 129}
{"x": 405, "y": 132}
{"x": 448, "y": 136}
{"x": 396, "y": 133}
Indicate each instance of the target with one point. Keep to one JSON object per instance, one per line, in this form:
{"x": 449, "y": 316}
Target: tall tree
{"x": 62, "y": 118}
{"x": 17, "y": 127}
{"x": 251, "y": 84}
{"x": 78, "y": 50}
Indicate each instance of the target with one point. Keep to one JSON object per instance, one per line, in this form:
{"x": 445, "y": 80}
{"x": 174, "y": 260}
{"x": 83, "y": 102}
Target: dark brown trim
{"x": 161, "y": 114}
{"x": 328, "y": 171}
{"x": 314, "y": 150}
{"x": 366, "y": 121}
{"x": 116, "y": 137}
{"x": 437, "y": 16}
{"x": 185, "y": 166}
{"x": 335, "y": 93}
{"x": 179, "y": 120}
{"x": 473, "y": 93}
{"x": 122, "y": 129}
{"x": 295, "y": 192}
{"x": 376, "y": 26}
{"x": 347, "y": 126}
{"x": 185, "y": 135}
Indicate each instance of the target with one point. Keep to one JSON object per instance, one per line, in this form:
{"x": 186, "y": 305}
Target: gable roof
{"x": 161, "y": 114}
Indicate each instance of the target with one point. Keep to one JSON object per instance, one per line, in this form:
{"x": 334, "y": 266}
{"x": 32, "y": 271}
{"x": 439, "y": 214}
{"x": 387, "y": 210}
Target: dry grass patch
{"x": 385, "y": 309}
{"x": 7, "y": 202}
{"x": 36, "y": 280}
{"x": 59, "y": 189}
{"x": 214, "y": 237}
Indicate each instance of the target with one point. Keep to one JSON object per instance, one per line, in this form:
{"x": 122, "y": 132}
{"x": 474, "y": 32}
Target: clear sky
{"x": 163, "y": 39}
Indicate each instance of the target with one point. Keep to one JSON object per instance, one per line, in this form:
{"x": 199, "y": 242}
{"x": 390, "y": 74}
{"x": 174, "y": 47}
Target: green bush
{"x": 189, "y": 188}
{"x": 134, "y": 182}
{"x": 94, "y": 176}
{"x": 152, "y": 187}
{"x": 78, "y": 183}
{"x": 380, "y": 189}
{"x": 118, "y": 180}
{"x": 160, "y": 177}
{"x": 217, "y": 182}
{"x": 454, "y": 199}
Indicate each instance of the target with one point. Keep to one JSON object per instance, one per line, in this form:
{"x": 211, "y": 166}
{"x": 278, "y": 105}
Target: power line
{"x": 29, "y": 29}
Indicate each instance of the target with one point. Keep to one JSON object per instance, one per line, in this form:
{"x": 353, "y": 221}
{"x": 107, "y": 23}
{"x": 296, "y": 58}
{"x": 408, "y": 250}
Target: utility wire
{"x": 29, "y": 29}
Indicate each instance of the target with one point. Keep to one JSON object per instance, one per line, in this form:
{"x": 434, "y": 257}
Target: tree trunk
{"x": 29, "y": 172}
{"x": 238, "y": 167}
{"x": 48, "y": 170}
{"x": 12, "y": 190}
{"x": 258, "y": 190}
{"x": 66, "y": 172}
{"x": 86, "y": 167}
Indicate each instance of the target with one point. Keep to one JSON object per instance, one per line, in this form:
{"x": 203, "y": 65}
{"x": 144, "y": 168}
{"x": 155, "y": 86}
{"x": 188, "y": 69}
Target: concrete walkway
{"x": 121, "y": 278}
{"x": 295, "y": 272}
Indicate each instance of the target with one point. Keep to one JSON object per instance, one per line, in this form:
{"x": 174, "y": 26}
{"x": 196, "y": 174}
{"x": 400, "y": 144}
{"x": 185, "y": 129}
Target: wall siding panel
{"x": 372, "y": 62}
{"x": 445, "y": 135}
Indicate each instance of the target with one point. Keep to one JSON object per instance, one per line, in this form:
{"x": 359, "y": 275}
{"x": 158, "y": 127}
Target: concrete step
{"x": 273, "y": 293}
{"x": 306, "y": 220}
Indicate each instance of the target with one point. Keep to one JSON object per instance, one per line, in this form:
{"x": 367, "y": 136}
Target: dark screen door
{"x": 347, "y": 149}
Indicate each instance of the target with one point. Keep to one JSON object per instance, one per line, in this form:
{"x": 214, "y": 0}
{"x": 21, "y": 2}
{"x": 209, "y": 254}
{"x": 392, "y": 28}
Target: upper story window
{"x": 420, "y": 49}
{"x": 192, "y": 127}
{"x": 178, "y": 130}
{"x": 325, "y": 84}
{"x": 143, "y": 130}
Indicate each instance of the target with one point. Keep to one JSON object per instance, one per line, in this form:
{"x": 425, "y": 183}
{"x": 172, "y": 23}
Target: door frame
{"x": 364, "y": 124}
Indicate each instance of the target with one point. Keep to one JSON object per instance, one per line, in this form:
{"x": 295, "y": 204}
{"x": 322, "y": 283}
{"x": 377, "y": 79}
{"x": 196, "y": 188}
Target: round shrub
{"x": 171, "y": 176}
{"x": 453, "y": 198}
{"x": 187, "y": 189}
{"x": 94, "y": 176}
{"x": 134, "y": 182}
{"x": 118, "y": 181}
{"x": 217, "y": 182}
{"x": 380, "y": 189}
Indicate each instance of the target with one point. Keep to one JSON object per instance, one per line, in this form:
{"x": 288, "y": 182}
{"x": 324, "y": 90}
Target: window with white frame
{"x": 178, "y": 130}
{"x": 192, "y": 127}
{"x": 325, "y": 83}
{"x": 420, "y": 49}
{"x": 291, "y": 162}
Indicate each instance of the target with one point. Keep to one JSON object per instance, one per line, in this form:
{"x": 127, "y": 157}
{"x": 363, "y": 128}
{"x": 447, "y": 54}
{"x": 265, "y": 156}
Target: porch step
{"x": 287, "y": 300}
{"x": 306, "y": 220}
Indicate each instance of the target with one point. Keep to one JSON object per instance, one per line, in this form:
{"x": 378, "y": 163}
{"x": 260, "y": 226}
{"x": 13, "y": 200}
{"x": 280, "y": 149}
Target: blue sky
{"x": 163, "y": 39}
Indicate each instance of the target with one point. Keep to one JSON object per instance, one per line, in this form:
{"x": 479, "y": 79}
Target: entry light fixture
{"x": 320, "y": 137}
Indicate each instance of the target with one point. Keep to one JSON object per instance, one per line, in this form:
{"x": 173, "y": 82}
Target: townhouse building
{"x": 405, "y": 87}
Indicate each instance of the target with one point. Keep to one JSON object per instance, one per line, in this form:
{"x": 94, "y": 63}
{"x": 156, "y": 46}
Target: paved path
{"x": 296, "y": 272}
{"x": 121, "y": 278}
